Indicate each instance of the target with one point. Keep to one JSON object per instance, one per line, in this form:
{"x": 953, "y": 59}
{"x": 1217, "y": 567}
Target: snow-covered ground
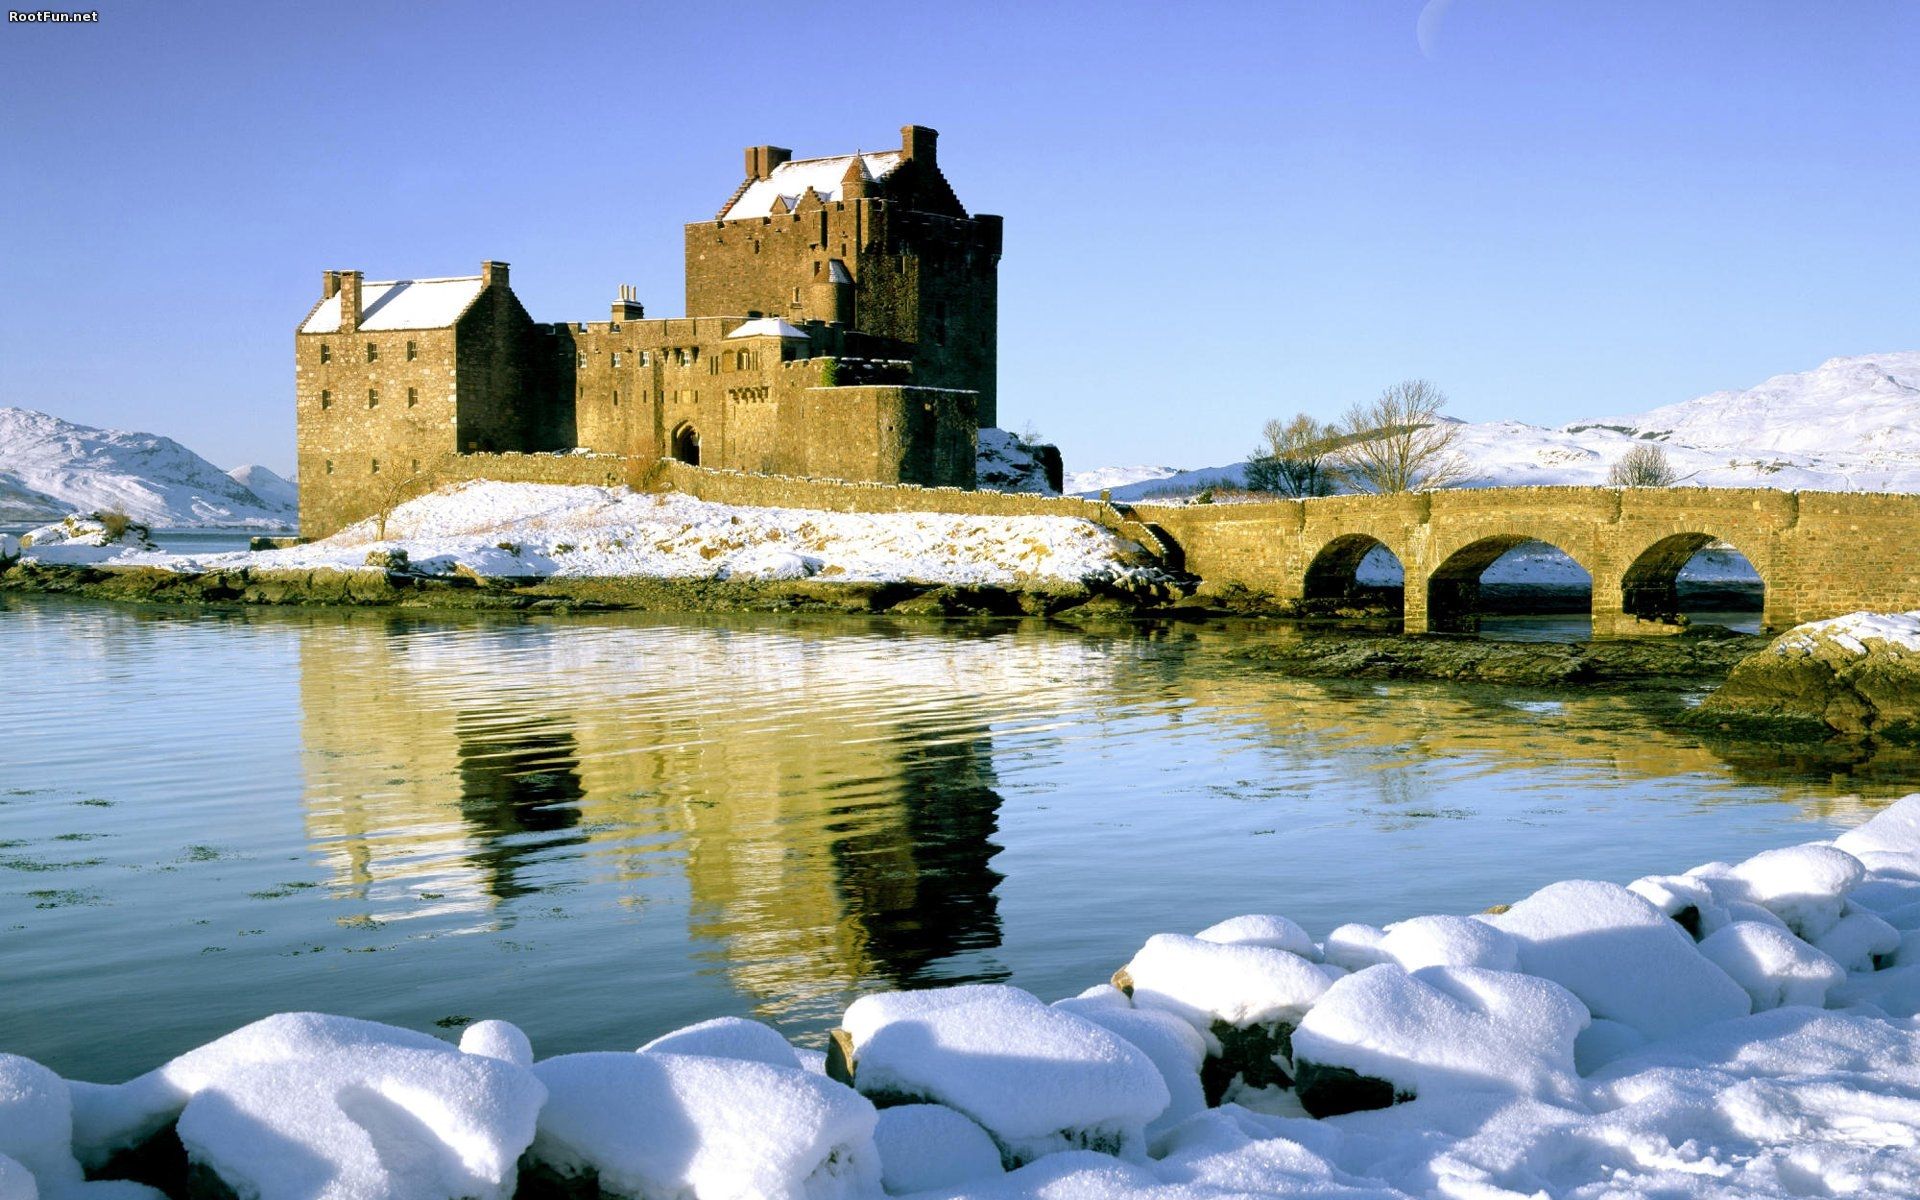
{"x": 50, "y": 467}
{"x": 1850, "y": 424}
{"x": 541, "y": 530}
{"x": 1741, "y": 1030}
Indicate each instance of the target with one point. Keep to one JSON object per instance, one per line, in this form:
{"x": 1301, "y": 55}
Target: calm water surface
{"x": 602, "y": 828}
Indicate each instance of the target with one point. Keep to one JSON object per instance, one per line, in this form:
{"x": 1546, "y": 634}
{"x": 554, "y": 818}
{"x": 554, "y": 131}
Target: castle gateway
{"x": 842, "y": 317}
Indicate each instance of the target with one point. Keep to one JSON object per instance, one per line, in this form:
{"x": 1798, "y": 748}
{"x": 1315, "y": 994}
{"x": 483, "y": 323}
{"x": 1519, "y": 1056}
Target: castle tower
{"x": 917, "y": 267}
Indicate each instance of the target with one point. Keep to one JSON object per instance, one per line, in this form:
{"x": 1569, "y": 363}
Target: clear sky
{"x": 1215, "y": 212}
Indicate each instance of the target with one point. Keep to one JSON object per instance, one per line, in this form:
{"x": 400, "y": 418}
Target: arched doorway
{"x": 1512, "y": 587}
{"x": 1354, "y": 571}
{"x": 686, "y": 445}
{"x": 1694, "y": 579}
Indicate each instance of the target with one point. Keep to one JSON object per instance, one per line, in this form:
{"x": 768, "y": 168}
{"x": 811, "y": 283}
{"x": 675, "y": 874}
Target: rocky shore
{"x": 398, "y": 587}
{"x": 1705, "y": 654}
{"x": 1857, "y": 675}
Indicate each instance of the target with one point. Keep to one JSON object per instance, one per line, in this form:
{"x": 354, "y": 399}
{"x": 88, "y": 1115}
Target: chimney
{"x": 761, "y": 160}
{"x": 493, "y": 272}
{"x": 916, "y": 142}
{"x": 628, "y": 306}
{"x": 349, "y": 301}
{"x": 329, "y": 284}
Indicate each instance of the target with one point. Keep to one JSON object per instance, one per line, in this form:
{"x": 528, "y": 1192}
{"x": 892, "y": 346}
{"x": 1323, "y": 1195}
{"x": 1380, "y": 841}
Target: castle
{"x": 841, "y": 323}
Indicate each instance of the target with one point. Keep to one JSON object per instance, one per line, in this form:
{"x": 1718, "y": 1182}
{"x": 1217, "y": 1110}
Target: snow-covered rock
{"x": 927, "y": 1146}
{"x": 1003, "y": 462}
{"x": 355, "y": 1108}
{"x": 1176, "y": 1048}
{"x": 1856, "y": 673}
{"x": 49, "y": 467}
{"x": 497, "y": 1039}
{"x": 1038, "y": 1079}
{"x": 1624, "y": 958}
{"x": 1446, "y": 941}
{"x": 1262, "y": 929}
{"x": 1441, "y": 1029}
{"x": 1236, "y": 984}
{"x": 36, "y": 1127}
{"x": 728, "y": 1037}
{"x": 647, "y": 1125}
{"x": 1773, "y": 965}
{"x": 1805, "y": 886}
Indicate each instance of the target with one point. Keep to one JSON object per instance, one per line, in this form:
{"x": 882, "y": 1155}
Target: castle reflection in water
{"x": 831, "y": 821}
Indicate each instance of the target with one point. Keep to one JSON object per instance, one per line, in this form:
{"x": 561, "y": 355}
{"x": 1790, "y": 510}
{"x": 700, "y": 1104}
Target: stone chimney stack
{"x": 917, "y": 143}
{"x": 329, "y": 284}
{"x": 349, "y": 301}
{"x": 628, "y": 306}
{"x": 493, "y": 272}
{"x": 761, "y": 160}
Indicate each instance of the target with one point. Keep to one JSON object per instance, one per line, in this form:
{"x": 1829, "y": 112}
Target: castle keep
{"x": 841, "y": 323}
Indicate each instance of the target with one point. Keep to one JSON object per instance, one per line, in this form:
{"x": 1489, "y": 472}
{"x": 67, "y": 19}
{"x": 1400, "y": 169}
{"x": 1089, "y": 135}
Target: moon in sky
{"x": 1427, "y": 28}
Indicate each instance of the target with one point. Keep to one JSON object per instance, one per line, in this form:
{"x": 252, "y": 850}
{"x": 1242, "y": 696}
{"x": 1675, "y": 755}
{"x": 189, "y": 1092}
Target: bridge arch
{"x": 1453, "y": 588}
{"x": 1334, "y": 574}
{"x": 1651, "y": 588}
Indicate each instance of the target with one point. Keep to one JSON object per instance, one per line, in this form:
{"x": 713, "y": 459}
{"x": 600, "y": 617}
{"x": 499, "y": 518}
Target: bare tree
{"x": 1400, "y": 442}
{"x": 1294, "y": 458}
{"x": 1645, "y": 465}
{"x": 401, "y": 487}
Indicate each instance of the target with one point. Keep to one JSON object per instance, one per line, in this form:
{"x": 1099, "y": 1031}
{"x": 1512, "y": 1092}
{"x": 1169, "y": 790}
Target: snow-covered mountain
{"x": 1850, "y": 424}
{"x": 265, "y": 484}
{"x": 50, "y": 467}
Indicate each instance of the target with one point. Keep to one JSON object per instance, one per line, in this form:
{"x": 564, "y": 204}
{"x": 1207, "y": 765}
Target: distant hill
{"x": 265, "y": 484}
{"x": 50, "y": 467}
{"x": 1850, "y": 424}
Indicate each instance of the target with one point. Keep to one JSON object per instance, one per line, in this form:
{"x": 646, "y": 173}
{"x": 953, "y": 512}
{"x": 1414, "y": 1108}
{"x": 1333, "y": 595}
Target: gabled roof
{"x": 790, "y": 181}
{"x": 770, "y": 327}
{"x": 401, "y": 304}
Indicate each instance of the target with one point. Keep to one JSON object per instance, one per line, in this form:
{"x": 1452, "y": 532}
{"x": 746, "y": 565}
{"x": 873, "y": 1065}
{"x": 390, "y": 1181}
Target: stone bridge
{"x": 1818, "y": 554}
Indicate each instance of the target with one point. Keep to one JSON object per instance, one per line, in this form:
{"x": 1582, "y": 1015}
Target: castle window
{"x": 374, "y": 467}
{"x": 645, "y": 357}
{"x": 326, "y": 398}
{"x": 416, "y": 466}
{"x": 373, "y": 398}
{"x": 413, "y": 397}
{"x": 582, "y": 360}
{"x": 693, "y": 355}
{"x": 796, "y": 295}
{"x": 412, "y": 351}
{"x": 743, "y": 360}
{"x": 616, "y": 358}
{"x": 329, "y": 466}
{"x": 616, "y": 399}
{"x": 326, "y": 352}
{"x": 373, "y": 351}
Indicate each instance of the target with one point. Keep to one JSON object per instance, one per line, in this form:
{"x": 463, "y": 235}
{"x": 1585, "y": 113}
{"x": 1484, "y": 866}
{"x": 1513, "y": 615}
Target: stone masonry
{"x": 842, "y": 324}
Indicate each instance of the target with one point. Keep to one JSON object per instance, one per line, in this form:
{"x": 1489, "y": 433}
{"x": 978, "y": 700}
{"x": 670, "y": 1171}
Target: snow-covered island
{"x": 507, "y": 533}
{"x": 1737, "y": 1030}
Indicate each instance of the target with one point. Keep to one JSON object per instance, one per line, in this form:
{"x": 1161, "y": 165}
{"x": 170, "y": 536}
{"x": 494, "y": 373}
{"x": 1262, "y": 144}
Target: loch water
{"x": 602, "y": 827}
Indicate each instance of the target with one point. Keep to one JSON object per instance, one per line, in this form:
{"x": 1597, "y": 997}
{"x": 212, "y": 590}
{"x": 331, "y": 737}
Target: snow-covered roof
{"x": 401, "y": 304}
{"x": 790, "y": 181}
{"x": 769, "y": 327}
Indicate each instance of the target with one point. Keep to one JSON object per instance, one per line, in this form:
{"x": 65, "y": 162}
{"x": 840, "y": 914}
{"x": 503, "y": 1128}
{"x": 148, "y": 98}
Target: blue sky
{"x": 1215, "y": 212}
